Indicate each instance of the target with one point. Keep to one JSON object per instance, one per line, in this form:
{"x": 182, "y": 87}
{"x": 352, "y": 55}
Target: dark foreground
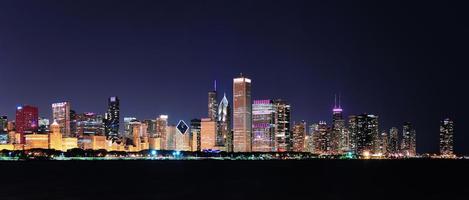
{"x": 314, "y": 179}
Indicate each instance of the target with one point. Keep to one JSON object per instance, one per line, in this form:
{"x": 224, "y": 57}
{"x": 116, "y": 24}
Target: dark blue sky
{"x": 402, "y": 61}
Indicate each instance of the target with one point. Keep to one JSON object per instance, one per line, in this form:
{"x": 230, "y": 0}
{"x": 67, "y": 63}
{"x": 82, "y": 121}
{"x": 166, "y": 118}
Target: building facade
{"x": 26, "y": 121}
{"x": 263, "y": 126}
{"x": 446, "y": 137}
{"x": 282, "y": 126}
{"x": 61, "y": 114}
{"x": 111, "y": 119}
{"x": 242, "y": 114}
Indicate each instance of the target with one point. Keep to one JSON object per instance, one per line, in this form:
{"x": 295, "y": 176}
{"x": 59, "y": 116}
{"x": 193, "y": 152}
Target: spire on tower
{"x": 215, "y": 85}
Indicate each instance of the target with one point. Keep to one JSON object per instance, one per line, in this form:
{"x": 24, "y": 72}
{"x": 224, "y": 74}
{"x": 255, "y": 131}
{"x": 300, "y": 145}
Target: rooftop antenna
{"x": 340, "y": 106}
{"x": 335, "y": 100}
{"x": 215, "y": 85}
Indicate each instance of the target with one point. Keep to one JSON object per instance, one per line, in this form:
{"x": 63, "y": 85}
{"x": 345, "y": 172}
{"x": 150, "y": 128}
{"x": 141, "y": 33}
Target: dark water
{"x": 316, "y": 179}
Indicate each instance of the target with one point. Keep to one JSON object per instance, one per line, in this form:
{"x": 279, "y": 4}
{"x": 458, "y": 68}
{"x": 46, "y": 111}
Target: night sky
{"x": 402, "y": 61}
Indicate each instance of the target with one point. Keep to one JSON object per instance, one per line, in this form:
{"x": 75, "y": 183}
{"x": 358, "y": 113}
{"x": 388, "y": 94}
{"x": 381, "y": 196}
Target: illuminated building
{"x": 299, "y": 134}
{"x": 364, "y": 130}
{"x": 446, "y": 137}
{"x": 225, "y": 135}
{"x": 55, "y": 137}
{"x": 263, "y": 127}
{"x": 161, "y": 132}
{"x": 154, "y": 143}
{"x": 36, "y": 141}
{"x": 93, "y": 142}
{"x": 310, "y": 138}
{"x": 127, "y": 127}
{"x": 393, "y": 145}
{"x": 408, "y": 144}
{"x": 212, "y": 103}
{"x": 73, "y": 123}
{"x": 171, "y": 138}
{"x": 282, "y": 126}
{"x": 195, "y": 133}
{"x": 89, "y": 124}
{"x": 340, "y": 140}
{"x": 26, "y": 120}
{"x": 321, "y": 138}
{"x": 111, "y": 119}
{"x": 61, "y": 114}
{"x": 136, "y": 134}
{"x": 4, "y": 139}
{"x": 3, "y": 124}
{"x": 43, "y": 125}
{"x": 151, "y": 127}
{"x": 208, "y": 130}
{"x": 69, "y": 143}
{"x": 242, "y": 113}
{"x": 382, "y": 144}
{"x": 11, "y": 126}
{"x": 182, "y": 138}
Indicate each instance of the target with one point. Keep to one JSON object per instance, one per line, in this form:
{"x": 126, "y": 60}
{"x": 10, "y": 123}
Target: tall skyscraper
{"x": 151, "y": 127}
{"x": 212, "y": 103}
{"x": 310, "y": 138}
{"x": 408, "y": 140}
{"x": 393, "y": 145}
{"x": 170, "y": 142}
{"x": 195, "y": 133}
{"x": 339, "y": 135}
{"x": 364, "y": 131}
{"x": 127, "y": 127}
{"x": 282, "y": 126}
{"x": 263, "y": 126}
{"x": 299, "y": 134}
{"x": 446, "y": 137}
{"x": 161, "y": 132}
{"x": 242, "y": 114}
{"x": 61, "y": 114}
{"x": 111, "y": 119}
{"x": 26, "y": 120}
{"x": 224, "y": 136}
{"x": 73, "y": 123}
{"x": 321, "y": 138}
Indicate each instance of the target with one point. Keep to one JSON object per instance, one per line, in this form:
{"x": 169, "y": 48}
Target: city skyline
{"x": 362, "y": 133}
{"x": 388, "y": 66}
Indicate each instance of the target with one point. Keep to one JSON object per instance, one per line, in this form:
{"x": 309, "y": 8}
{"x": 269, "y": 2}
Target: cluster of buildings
{"x": 245, "y": 125}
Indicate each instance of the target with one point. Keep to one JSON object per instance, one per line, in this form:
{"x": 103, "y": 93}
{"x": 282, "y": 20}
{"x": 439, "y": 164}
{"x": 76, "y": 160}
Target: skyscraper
{"x": 212, "y": 103}
{"x": 195, "y": 143}
{"x": 364, "y": 131}
{"x": 161, "y": 132}
{"x": 111, "y": 119}
{"x": 89, "y": 124}
{"x": 339, "y": 135}
{"x": 299, "y": 134}
{"x": 61, "y": 114}
{"x": 263, "y": 126}
{"x": 26, "y": 121}
{"x": 393, "y": 145}
{"x": 446, "y": 137}
{"x": 225, "y": 135}
{"x": 242, "y": 114}
{"x": 408, "y": 140}
{"x": 282, "y": 126}
{"x": 321, "y": 138}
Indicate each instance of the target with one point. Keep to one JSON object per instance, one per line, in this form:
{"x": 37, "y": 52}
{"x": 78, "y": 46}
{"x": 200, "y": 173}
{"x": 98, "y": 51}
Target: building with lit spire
{"x": 55, "y": 137}
{"x": 224, "y": 136}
